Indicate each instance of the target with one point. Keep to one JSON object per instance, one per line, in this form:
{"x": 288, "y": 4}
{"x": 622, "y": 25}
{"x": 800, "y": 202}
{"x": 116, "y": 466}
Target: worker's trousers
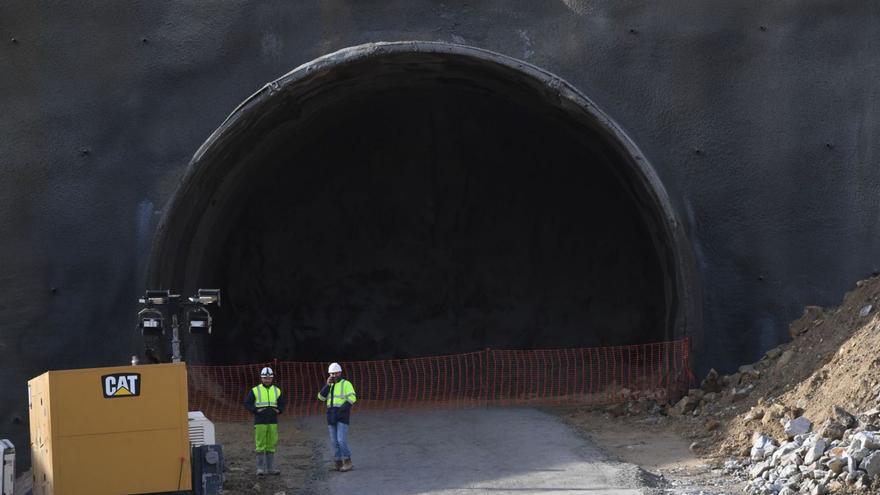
{"x": 266, "y": 437}
{"x": 339, "y": 441}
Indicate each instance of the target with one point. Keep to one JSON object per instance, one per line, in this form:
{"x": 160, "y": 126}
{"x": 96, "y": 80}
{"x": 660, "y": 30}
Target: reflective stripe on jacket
{"x": 339, "y": 393}
{"x": 266, "y": 397}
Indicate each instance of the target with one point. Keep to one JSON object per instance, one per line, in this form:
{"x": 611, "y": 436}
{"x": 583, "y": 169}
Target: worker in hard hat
{"x": 339, "y": 395}
{"x": 265, "y": 402}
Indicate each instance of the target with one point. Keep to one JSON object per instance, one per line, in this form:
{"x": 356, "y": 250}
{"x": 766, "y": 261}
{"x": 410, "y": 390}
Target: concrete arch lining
{"x": 200, "y": 207}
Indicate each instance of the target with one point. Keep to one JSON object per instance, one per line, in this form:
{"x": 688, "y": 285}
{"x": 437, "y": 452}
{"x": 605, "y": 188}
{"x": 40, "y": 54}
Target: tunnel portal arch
{"x": 186, "y": 250}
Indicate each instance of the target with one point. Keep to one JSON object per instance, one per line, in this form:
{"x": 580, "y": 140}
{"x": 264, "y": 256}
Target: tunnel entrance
{"x": 412, "y": 199}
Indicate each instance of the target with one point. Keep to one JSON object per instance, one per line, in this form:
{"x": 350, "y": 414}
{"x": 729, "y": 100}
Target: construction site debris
{"x": 804, "y": 418}
{"x": 813, "y": 462}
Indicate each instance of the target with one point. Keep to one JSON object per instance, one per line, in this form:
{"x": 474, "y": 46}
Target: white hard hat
{"x": 334, "y": 368}
{"x": 267, "y": 371}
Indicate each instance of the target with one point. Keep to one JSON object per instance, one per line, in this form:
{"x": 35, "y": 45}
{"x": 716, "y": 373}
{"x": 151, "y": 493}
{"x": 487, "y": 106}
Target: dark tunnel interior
{"x": 429, "y": 217}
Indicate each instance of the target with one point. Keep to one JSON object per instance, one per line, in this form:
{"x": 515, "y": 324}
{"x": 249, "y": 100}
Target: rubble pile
{"x": 783, "y": 423}
{"x": 842, "y": 455}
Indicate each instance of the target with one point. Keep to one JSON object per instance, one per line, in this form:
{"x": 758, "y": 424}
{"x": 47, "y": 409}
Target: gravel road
{"x": 456, "y": 452}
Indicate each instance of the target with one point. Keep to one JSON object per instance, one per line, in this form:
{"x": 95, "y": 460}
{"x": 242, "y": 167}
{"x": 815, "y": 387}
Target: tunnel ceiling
{"x": 420, "y": 198}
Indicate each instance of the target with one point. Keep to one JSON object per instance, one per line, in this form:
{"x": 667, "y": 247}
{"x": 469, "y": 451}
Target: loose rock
{"x": 871, "y": 464}
{"x": 785, "y": 358}
{"x": 844, "y": 417}
{"x": 797, "y": 426}
{"x": 762, "y": 446}
{"x": 832, "y": 430}
{"x": 815, "y": 451}
{"x": 712, "y": 382}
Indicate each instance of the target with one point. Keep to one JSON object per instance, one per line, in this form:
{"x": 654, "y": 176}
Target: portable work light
{"x": 199, "y": 321}
{"x": 160, "y": 302}
{"x": 151, "y": 322}
{"x": 156, "y": 297}
{"x": 206, "y": 296}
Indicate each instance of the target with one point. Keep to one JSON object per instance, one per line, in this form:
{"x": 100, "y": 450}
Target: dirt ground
{"x": 655, "y": 444}
{"x": 296, "y": 459}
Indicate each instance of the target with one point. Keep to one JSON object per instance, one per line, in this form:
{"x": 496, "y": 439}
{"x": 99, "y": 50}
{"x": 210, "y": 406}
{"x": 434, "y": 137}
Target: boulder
{"x": 731, "y": 466}
{"x": 686, "y": 405}
{"x": 758, "y": 469}
{"x": 859, "y": 453}
{"x": 762, "y": 446}
{"x": 844, "y": 417}
{"x": 712, "y": 382}
{"x": 784, "y": 450}
{"x": 814, "y": 488}
{"x": 836, "y": 465}
{"x": 832, "y": 430}
{"x": 797, "y": 426}
{"x": 772, "y": 414}
{"x": 754, "y": 413}
{"x": 789, "y": 471}
{"x": 871, "y": 464}
{"x": 867, "y": 440}
{"x": 815, "y": 450}
{"x": 870, "y": 416}
{"x": 837, "y": 452}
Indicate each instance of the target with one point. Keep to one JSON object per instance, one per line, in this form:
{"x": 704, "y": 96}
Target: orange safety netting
{"x": 600, "y": 375}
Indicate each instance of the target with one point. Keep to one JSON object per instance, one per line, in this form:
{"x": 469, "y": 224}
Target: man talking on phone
{"x": 339, "y": 395}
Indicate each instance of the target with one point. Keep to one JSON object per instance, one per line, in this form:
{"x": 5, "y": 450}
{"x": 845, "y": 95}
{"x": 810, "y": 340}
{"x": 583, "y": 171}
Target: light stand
{"x": 158, "y": 303}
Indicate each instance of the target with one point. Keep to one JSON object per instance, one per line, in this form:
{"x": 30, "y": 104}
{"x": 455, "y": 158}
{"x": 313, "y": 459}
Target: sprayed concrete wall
{"x": 415, "y": 198}
{"x": 760, "y": 121}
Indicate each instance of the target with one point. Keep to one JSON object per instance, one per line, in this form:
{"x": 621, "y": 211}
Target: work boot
{"x": 336, "y": 466}
{"x": 261, "y": 463}
{"x": 346, "y": 465}
{"x": 270, "y": 460}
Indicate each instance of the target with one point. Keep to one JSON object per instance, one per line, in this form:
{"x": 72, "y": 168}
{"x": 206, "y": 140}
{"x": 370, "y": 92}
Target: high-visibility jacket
{"x": 338, "y": 394}
{"x": 339, "y": 398}
{"x": 266, "y": 397}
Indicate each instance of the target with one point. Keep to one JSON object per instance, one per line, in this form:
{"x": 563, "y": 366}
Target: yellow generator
{"x": 114, "y": 431}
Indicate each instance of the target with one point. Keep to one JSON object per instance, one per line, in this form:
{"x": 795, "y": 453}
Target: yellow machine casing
{"x": 115, "y": 431}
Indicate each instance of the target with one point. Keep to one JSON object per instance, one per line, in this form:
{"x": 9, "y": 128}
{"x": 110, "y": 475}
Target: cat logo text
{"x": 121, "y": 385}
